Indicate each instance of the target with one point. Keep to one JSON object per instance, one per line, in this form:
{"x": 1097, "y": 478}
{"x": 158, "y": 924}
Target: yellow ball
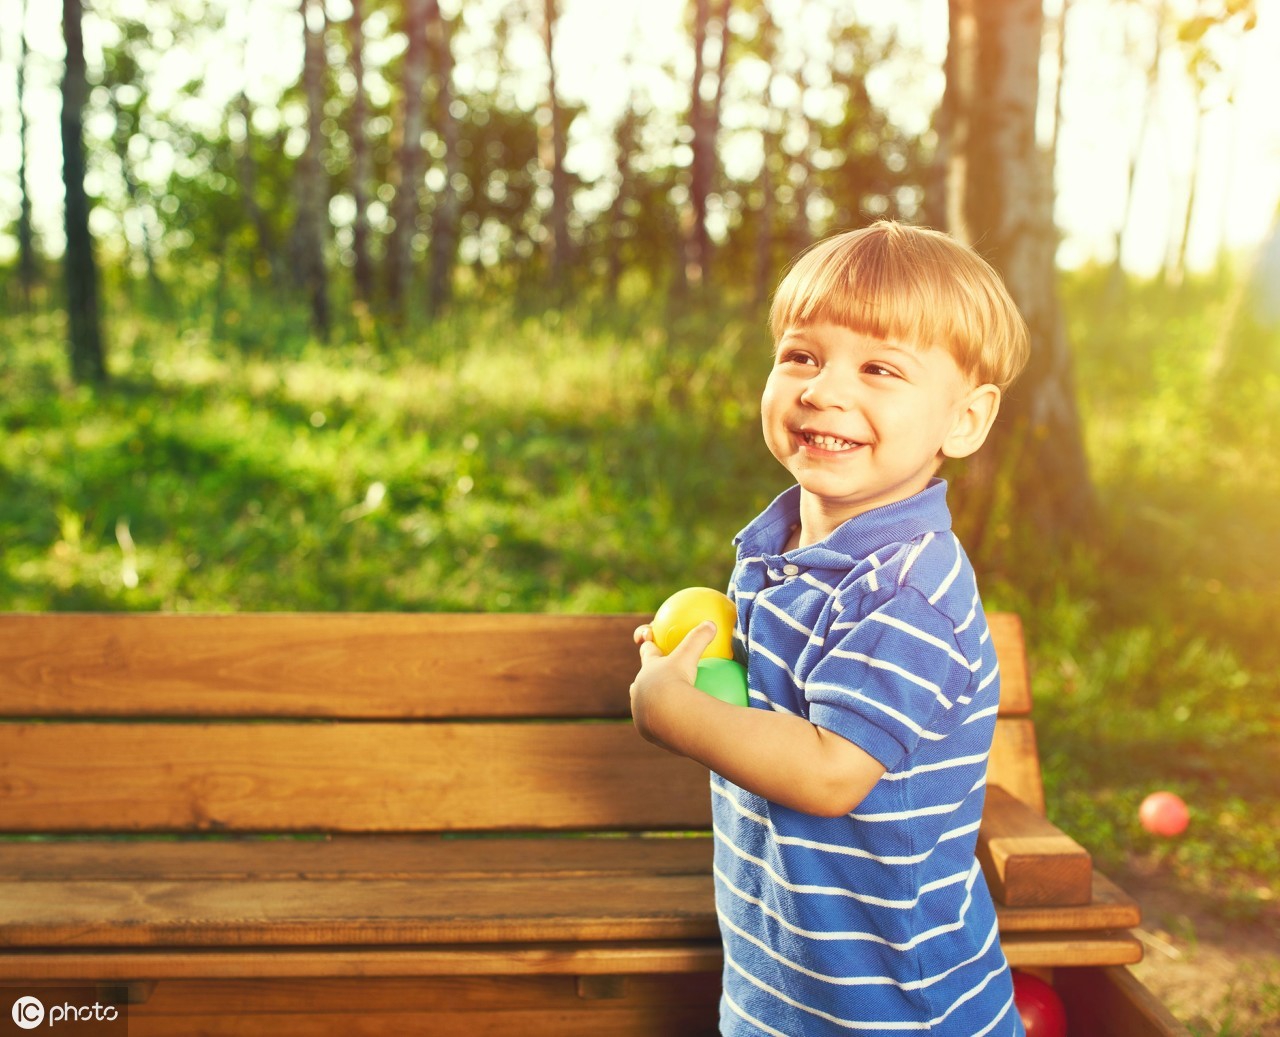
{"x": 685, "y": 609}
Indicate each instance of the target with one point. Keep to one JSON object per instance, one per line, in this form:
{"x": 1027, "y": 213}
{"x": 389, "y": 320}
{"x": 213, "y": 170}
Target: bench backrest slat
{"x": 342, "y": 777}
{"x": 352, "y": 665}
{"x": 357, "y": 723}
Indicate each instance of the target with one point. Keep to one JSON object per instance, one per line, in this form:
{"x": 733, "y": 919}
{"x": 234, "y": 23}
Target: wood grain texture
{"x": 1109, "y": 907}
{"x": 664, "y": 894}
{"x": 345, "y": 665}
{"x": 1100, "y": 1002}
{"x": 374, "y": 912}
{"x": 1011, "y": 651}
{"x": 575, "y": 959}
{"x": 1014, "y": 764}
{"x": 355, "y": 858}
{"x": 462, "y": 1006}
{"x": 281, "y": 777}
{"x": 1028, "y": 860}
{"x": 1050, "y": 950}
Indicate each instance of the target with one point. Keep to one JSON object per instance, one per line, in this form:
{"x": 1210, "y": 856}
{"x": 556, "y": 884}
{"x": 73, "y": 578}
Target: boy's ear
{"x": 975, "y": 415}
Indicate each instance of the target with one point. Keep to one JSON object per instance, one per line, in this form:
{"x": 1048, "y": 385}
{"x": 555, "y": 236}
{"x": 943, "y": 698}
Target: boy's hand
{"x": 780, "y": 756}
{"x": 663, "y": 679}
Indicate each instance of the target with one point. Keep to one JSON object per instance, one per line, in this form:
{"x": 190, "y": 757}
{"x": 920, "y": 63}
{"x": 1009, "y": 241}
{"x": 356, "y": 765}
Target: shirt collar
{"x": 854, "y": 540}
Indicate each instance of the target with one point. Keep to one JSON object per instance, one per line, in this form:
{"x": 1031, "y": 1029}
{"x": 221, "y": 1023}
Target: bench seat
{"x": 401, "y": 891}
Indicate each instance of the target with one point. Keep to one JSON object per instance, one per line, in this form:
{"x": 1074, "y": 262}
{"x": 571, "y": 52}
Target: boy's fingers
{"x": 642, "y": 633}
{"x": 688, "y": 650}
{"x": 696, "y": 641}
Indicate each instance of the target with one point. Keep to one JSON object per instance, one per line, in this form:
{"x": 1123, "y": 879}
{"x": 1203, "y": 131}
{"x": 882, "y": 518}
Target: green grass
{"x": 500, "y": 462}
{"x": 596, "y": 459}
{"x": 1157, "y": 665}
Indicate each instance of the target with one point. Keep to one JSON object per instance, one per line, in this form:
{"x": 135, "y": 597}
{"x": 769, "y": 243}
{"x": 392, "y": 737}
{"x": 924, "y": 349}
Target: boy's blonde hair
{"x": 909, "y": 285}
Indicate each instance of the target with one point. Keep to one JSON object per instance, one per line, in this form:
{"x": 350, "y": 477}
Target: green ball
{"x": 723, "y": 679}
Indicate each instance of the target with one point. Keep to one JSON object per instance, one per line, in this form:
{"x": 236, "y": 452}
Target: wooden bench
{"x": 481, "y": 842}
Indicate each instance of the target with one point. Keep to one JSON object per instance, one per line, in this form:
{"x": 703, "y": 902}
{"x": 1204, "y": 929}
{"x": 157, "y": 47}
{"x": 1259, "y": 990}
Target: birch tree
{"x": 554, "y": 146}
{"x": 313, "y": 201}
{"x": 999, "y": 199}
{"x": 361, "y": 160}
{"x": 704, "y": 120}
{"x": 447, "y": 214}
{"x": 88, "y": 358}
{"x": 406, "y": 205}
{"x": 27, "y": 267}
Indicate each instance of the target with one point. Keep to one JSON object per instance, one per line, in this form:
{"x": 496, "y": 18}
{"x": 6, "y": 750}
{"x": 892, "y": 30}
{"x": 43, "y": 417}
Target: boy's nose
{"x": 826, "y": 391}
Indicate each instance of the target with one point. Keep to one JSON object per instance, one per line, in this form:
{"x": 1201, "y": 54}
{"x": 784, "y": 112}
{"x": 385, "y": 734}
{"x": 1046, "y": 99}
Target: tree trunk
{"x": 27, "y": 267}
{"x": 1176, "y": 263}
{"x": 1144, "y": 125}
{"x": 802, "y": 230}
{"x": 313, "y": 209}
{"x": 361, "y": 161}
{"x": 447, "y": 217}
{"x": 406, "y": 206}
{"x": 704, "y": 120}
{"x": 553, "y": 152}
{"x": 1061, "y": 53}
{"x": 88, "y": 361}
{"x": 625, "y": 147}
{"x": 1000, "y": 201}
{"x": 126, "y": 126}
{"x": 248, "y": 174}
{"x": 771, "y": 141}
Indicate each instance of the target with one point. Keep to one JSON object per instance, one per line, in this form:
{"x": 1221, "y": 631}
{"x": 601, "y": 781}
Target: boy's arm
{"x": 781, "y": 757}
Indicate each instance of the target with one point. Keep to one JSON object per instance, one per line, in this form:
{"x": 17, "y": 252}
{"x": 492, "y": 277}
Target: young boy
{"x": 847, "y": 799}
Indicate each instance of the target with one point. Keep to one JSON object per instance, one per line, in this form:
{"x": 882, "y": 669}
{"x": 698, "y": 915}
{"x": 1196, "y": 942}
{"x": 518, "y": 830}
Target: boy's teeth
{"x": 830, "y": 442}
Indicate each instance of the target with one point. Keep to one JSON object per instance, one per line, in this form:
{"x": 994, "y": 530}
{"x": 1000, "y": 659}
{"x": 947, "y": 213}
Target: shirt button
{"x": 790, "y": 570}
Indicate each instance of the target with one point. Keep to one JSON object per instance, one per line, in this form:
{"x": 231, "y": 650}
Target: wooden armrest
{"x": 1028, "y": 861}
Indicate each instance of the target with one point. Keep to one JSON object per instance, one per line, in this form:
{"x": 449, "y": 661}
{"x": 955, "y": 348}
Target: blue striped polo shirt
{"x": 878, "y": 921}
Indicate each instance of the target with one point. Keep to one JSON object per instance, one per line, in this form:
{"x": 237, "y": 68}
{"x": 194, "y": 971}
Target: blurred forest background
{"x": 347, "y": 329}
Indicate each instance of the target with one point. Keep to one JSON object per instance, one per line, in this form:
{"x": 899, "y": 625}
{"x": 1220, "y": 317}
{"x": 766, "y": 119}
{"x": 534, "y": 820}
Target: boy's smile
{"x": 861, "y": 422}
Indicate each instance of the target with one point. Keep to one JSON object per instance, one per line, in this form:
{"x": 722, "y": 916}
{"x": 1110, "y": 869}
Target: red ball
{"x": 1163, "y": 813}
{"x": 1039, "y": 1006}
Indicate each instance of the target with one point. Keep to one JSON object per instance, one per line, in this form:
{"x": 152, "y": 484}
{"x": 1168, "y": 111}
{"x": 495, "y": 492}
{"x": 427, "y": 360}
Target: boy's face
{"x": 861, "y": 422}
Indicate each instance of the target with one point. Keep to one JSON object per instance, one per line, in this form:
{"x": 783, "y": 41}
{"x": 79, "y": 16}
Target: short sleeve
{"x": 891, "y": 678}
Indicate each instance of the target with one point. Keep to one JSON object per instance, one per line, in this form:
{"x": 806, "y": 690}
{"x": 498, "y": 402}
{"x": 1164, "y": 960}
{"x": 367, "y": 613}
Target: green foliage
{"x": 500, "y": 461}
{"x": 1156, "y": 665}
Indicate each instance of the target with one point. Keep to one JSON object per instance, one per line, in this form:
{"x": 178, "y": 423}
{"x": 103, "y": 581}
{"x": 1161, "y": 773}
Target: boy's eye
{"x": 794, "y": 356}
{"x": 880, "y": 370}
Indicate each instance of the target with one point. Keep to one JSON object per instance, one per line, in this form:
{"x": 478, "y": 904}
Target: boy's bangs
{"x": 904, "y": 295}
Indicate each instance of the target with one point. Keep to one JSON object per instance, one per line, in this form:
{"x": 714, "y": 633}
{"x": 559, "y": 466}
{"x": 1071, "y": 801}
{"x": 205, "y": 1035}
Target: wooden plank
{"x": 339, "y": 776}
{"x": 1015, "y": 761}
{"x": 576, "y": 959}
{"x": 1011, "y": 651}
{"x": 345, "y": 665}
{"x": 352, "y": 665}
{"x": 1110, "y": 907}
{"x": 669, "y": 1019}
{"x": 1112, "y": 1002}
{"x": 284, "y": 913}
{"x": 406, "y": 858}
{"x": 1027, "y": 860}
{"x": 521, "y": 909}
{"x": 442, "y": 1007}
{"x": 1049, "y": 950}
